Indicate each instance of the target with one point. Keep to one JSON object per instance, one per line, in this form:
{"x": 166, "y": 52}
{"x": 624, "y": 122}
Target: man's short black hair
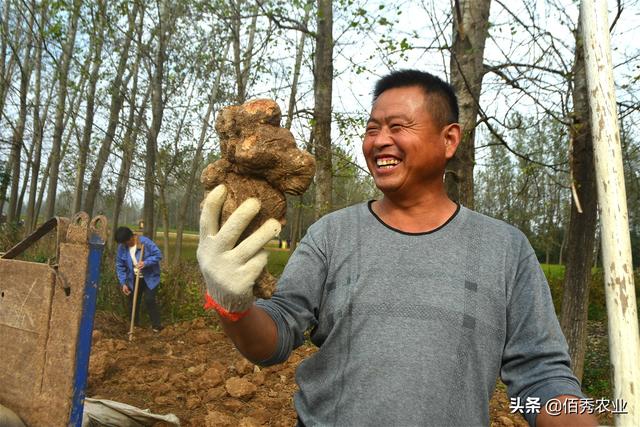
{"x": 123, "y": 234}
{"x": 442, "y": 100}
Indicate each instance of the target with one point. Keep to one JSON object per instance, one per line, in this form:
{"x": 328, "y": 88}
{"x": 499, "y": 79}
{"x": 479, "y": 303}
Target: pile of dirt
{"x": 191, "y": 369}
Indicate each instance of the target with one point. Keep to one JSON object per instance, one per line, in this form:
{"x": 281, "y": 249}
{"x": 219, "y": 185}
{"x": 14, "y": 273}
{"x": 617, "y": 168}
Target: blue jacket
{"x": 151, "y": 269}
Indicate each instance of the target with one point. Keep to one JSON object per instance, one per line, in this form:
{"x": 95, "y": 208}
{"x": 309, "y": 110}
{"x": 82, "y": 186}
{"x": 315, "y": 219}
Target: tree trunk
{"x": 296, "y": 71}
{"x": 6, "y": 70}
{"x": 63, "y": 75}
{"x": 73, "y": 112}
{"x": 294, "y": 234}
{"x": 323, "y": 82}
{"x": 129, "y": 143}
{"x": 169, "y": 163}
{"x": 297, "y": 201}
{"x": 25, "y": 183}
{"x": 563, "y": 246}
{"x": 38, "y": 127}
{"x": 242, "y": 60}
{"x": 582, "y": 226}
{"x": 134, "y": 123}
{"x": 97, "y": 42}
{"x": 118, "y": 88}
{"x": 164, "y": 211}
{"x": 4, "y": 185}
{"x": 197, "y": 160}
{"x": 622, "y": 313}
{"x": 470, "y": 29}
{"x": 26, "y": 66}
{"x": 157, "y": 110}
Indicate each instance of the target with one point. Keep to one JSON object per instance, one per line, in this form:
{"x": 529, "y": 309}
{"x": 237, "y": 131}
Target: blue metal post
{"x": 83, "y": 350}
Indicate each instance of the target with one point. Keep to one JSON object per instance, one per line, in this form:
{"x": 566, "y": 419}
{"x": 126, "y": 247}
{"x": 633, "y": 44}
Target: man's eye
{"x": 371, "y": 131}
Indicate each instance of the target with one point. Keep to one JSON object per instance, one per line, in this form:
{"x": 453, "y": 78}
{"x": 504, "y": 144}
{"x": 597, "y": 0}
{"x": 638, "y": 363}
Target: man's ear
{"x": 452, "y": 134}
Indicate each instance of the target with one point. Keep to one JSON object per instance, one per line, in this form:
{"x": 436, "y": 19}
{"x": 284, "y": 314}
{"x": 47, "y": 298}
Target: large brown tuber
{"x": 258, "y": 159}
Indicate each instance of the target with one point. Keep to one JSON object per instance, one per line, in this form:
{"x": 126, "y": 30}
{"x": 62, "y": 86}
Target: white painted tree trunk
{"x": 624, "y": 343}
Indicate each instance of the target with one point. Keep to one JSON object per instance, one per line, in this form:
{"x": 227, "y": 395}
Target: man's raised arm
{"x": 230, "y": 272}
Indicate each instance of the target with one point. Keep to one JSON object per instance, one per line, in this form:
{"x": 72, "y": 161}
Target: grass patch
{"x": 597, "y": 300}
{"x": 277, "y": 260}
{"x": 190, "y": 246}
{"x": 553, "y": 271}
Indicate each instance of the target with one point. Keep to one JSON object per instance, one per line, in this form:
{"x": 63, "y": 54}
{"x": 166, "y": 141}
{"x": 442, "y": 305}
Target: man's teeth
{"x": 387, "y": 162}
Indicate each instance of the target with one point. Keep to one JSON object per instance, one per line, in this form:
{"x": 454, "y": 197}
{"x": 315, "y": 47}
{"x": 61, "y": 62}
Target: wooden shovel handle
{"x": 135, "y": 296}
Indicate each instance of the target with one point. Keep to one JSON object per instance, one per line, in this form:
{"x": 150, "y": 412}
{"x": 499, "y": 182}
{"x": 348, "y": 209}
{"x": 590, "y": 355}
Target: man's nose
{"x": 383, "y": 138}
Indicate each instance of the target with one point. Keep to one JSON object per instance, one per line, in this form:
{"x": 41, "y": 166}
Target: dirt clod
{"x": 506, "y": 422}
{"x": 243, "y": 367}
{"x": 217, "y": 419}
{"x": 240, "y": 387}
{"x": 249, "y": 422}
{"x": 212, "y": 377}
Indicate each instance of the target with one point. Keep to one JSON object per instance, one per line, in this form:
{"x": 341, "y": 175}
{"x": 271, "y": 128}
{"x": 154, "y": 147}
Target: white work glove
{"x": 230, "y": 272}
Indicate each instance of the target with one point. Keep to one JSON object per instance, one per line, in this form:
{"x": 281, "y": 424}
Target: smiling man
{"x": 417, "y": 304}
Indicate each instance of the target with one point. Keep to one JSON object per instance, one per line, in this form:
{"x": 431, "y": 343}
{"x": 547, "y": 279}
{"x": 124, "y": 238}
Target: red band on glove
{"x": 210, "y": 304}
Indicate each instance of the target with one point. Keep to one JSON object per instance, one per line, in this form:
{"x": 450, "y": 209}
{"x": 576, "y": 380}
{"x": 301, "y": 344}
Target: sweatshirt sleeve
{"x": 293, "y": 305}
{"x": 121, "y": 267}
{"x": 152, "y": 254}
{"x": 536, "y": 362}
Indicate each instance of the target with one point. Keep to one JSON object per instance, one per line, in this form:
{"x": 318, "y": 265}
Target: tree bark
{"x": 129, "y": 143}
{"x": 6, "y": 70}
{"x": 25, "y": 183}
{"x": 242, "y": 60}
{"x": 323, "y": 82}
{"x": 297, "y": 201}
{"x": 38, "y": 124}
{"x": 157, "y": 110}
{"x": 118, "y": 88}
{"x": 132, "y": 131}
{"x": 63, "y": 75}
{"x": 622, "y": 313}
{"x": 26, "y": 67}
{"x": 582, "y": 226}
{"x": 72, "y": 113}
{"x": 97, "y": 42}
{"x": 164, "y": 212}
{"x": 6, "y": 75}
{"x": 169, "y": 163}
{"x": 470, "y": 29}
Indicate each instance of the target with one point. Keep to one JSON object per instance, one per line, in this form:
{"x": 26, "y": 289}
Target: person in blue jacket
{"x": 128, "y": 264}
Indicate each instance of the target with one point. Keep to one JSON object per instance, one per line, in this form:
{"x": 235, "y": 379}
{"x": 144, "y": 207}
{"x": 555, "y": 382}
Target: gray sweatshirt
{"x": 414, "y": 329}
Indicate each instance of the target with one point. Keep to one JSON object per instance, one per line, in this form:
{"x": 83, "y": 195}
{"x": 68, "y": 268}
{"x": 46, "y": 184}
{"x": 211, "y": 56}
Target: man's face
{"x": 404, "y": 149}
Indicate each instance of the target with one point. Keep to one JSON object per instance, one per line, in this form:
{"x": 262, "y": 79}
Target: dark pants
{"x": 149, "y": 302}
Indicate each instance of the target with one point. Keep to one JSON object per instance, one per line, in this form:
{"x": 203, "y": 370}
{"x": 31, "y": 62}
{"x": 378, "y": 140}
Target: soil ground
{"x": 191, "y": 369}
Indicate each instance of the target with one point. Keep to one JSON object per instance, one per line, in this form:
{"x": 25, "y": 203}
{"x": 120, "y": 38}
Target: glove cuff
{"x": 211, "y": 304}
